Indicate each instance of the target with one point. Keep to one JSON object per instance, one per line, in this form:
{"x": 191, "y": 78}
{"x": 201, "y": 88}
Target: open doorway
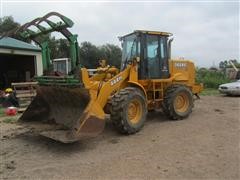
{"x": 16, "y": 68}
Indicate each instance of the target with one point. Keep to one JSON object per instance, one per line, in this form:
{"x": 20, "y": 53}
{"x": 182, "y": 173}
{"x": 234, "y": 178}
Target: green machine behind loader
{"x": 26, "y": 31}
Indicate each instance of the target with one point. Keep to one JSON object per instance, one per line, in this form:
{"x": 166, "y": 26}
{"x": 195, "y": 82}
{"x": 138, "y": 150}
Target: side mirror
{"x": 136, "y": 59}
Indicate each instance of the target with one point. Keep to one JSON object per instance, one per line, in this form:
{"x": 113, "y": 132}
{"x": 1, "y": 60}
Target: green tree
{"x": 63, "y": 48}
{"x": 111, "y": 53}
{"x": 223, "y": 64}
{"x": 89, "y": 55}
{"x": 59, "y": 48}
{"x": 7, "y": 24}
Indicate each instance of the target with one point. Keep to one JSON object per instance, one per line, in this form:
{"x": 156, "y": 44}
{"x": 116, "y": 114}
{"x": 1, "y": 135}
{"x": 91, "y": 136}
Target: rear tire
{"x": 128, "y": 110}
{"x": 178, "y": 102}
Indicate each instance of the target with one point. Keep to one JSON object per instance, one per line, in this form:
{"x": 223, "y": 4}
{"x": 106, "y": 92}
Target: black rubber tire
{"x": 168, "y": 102}
{"x": 119, "y": 107}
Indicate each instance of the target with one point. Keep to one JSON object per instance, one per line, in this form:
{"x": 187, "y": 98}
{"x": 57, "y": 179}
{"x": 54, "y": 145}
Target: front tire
{"x": 128, "y": 110}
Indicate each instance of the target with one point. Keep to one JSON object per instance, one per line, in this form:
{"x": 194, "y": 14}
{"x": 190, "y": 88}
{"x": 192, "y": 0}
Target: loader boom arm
{"x": 100, "y": 91}
{"x": 233, "y": 65}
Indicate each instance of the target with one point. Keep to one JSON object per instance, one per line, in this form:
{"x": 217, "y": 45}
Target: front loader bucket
{"x": 64, "y": 114}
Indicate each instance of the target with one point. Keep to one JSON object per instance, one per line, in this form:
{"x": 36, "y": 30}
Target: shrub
{"x": 211, "y": 79}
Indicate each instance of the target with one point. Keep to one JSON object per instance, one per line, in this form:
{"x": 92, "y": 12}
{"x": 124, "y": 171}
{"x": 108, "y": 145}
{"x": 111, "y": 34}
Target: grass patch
{"x": 209, "y": 92}
{"x": 10, "y": 120}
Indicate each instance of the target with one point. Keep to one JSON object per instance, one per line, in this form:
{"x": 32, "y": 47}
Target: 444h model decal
{"x": 116, "y": 80}
{"x": 180, "y": 65}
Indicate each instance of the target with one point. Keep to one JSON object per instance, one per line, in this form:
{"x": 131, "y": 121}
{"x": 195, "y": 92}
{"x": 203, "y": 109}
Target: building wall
{"x": 38, "y": 57}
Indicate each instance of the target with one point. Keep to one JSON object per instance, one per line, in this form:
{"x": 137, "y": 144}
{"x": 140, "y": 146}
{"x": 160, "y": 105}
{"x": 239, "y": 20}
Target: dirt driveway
{"x": 206, "y": 145}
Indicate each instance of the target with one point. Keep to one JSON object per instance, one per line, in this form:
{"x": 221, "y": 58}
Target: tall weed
{"x": 211, "y": 79}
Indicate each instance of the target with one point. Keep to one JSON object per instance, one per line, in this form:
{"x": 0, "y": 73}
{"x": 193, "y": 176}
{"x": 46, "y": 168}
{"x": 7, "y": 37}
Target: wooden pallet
{"x": 25, "y": 92}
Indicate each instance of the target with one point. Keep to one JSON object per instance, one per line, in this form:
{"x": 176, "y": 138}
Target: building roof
{"x": 10, "y": 43}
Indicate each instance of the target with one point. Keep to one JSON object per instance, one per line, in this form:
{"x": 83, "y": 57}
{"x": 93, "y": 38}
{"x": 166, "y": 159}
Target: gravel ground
{"x": 206, "y": 145}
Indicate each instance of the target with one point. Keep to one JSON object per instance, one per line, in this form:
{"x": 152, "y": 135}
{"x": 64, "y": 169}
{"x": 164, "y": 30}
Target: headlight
{"x": 223, "y": 87}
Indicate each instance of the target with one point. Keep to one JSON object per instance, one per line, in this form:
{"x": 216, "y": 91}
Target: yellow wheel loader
{"x": 148, "y": 79}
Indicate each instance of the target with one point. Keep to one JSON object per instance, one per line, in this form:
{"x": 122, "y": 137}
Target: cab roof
{"x": 149, "y": 32}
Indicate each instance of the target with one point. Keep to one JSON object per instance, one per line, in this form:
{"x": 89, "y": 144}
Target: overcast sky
{"x": 203, "y": 32}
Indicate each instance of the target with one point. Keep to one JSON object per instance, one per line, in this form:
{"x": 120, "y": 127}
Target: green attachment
{"x": 45, "y": 55}
{"x": 53, "y": 28}
{"x": 60, "y": 26}
{"x": 74, "y": 51}
{"x": 67, "y": 21}
{"x": 54, "y": 25}
{"x": 66, "y": 81}
{"x": 41, "y": 28}
{"x": 27, "y": 33}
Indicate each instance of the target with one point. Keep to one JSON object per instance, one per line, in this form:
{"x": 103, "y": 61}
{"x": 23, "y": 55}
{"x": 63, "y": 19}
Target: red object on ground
{"x": 11, "y": 111}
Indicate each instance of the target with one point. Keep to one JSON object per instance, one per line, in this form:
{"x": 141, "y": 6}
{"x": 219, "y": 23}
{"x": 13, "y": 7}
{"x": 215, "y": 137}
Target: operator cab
{"x": 153, "y": 50}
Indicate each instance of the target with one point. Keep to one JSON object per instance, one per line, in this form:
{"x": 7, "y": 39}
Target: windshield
{"x": 130, "y": 49}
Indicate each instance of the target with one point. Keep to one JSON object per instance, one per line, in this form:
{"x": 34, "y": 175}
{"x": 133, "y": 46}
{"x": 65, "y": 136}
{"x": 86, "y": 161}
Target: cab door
{"x": 152, "y": 52}
{"x": 163, "y": 59}
{"x": 155, "y": 57}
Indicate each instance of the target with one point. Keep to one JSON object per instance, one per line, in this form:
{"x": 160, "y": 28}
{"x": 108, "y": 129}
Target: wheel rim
{"x": 181, "y": 102}
{"x": 134, "y": 111}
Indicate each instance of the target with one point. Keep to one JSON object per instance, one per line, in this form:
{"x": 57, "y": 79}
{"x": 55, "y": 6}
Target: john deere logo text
{"x": 180, "y": 65}
{"x": 116, "y": 80}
